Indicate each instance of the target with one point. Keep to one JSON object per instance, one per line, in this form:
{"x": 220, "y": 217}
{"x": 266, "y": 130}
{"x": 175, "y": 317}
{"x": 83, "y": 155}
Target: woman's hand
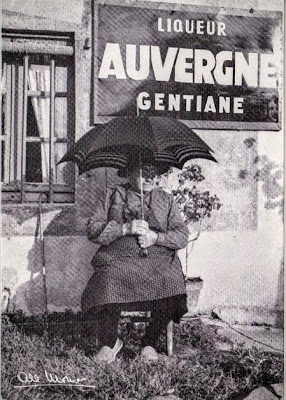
{"x": 148, "y": 239}
{"x": 139, "y": 227}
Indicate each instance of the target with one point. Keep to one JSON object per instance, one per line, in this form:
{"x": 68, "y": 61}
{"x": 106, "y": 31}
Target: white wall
{"x": 239, "y": 255}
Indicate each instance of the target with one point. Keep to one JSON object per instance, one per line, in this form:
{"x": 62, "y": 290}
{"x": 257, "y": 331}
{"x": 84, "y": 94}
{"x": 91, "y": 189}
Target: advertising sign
{"x": 218, "y": 68}
{"x": 143, "y": 197}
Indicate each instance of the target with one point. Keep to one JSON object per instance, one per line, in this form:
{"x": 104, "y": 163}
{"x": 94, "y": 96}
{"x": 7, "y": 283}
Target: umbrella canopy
{"x": 126, "y": 140}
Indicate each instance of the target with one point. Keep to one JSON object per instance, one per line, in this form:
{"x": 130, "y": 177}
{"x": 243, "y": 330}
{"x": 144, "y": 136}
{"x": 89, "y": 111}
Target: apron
{"x": 122, "y": 276}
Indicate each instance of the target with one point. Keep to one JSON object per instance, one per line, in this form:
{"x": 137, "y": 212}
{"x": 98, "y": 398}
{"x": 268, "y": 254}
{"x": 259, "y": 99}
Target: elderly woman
{"x": 126, "y": 280}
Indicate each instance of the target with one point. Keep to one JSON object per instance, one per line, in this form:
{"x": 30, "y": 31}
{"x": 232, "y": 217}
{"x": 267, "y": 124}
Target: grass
{"x": 205, "y": 375}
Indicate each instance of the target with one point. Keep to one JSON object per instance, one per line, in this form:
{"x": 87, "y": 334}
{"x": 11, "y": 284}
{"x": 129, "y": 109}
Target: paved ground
{"x": 264, "y": 394}
{"x": 263, "y": 337}
{"x": 257, "y": 394}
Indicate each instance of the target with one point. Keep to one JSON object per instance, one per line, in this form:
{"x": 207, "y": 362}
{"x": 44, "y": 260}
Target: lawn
{"x": 202, "y": 374}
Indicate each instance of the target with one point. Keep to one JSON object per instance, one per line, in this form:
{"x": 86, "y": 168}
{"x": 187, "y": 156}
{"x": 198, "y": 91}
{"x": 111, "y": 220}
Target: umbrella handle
{"x": 143, "y": 252}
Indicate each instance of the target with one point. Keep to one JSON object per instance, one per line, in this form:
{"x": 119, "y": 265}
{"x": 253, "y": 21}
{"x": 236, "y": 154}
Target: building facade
{"x": 47, "y": 105}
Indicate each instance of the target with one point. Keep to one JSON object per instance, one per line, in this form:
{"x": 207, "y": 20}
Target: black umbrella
{"x": 129, "y": 140}
{"x": 126, "y": 141}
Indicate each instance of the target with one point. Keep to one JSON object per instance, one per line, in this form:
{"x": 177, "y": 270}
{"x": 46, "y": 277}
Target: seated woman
{"x": 123, "y": 278}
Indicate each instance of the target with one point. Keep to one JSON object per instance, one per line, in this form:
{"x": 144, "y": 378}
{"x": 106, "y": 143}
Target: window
{"x": 37, "y": 117}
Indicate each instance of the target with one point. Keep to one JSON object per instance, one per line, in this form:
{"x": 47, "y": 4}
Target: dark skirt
{"x": 122, "y": 277}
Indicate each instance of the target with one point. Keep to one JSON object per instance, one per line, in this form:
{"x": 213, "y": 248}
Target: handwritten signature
{"x": 49, "y": 379}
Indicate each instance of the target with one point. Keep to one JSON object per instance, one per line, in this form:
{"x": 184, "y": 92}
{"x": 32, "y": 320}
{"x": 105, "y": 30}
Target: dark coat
{"x": 121, "y": 274}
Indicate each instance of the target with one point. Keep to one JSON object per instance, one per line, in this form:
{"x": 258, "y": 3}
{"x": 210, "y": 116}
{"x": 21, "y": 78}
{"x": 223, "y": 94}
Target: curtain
{"x": 39, "y": 79}
{"x": 3, "y": 79}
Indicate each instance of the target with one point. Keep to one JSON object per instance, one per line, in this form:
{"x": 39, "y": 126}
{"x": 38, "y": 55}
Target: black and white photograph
{"x": 142, "y": 197}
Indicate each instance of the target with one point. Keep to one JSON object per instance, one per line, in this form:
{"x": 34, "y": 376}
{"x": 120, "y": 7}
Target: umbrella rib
{"x": 116, "y": 143}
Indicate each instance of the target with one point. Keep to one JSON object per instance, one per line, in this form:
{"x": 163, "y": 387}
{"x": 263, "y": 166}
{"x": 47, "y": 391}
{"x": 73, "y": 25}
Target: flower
{"x": 194, "y": 204}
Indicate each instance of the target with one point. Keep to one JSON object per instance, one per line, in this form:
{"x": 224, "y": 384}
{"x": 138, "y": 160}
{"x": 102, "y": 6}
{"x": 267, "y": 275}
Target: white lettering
{"x": 200, "y": 27}
{"x": 210, "y": 105}
{"x": 188, "y": 103}
{"x": 174, "y": 102}
{"x": 169, "y": 25}
{"x": 203, "y": 71}
{"x": 159, "y": 101}
{"x": 237, "y": 105}
{"x": 112, "y": 63}
{"x": 199, "y": 104}
{"x": 210, "y": 27}
{"x": 190, "y": 29}
{"x": 188, "y": 98}
{"x": 223, "y": 77}
{"x": 160, "y": 28}
{"x": 189, "y": 66}
{"x": 191, "y": 26}
{"x": 178, "y": 25}
{"x": 162, "y": 72}
{"x": 224, "y": 105}
{"x": 221, "y": 29}
{"x": 248, "y": 71}
{"x": 143, "y": 101}
{"x": 267, "y": 72}
{"x": 144, "y": 62}
{"x": 181, "y": 67}
{"x": 28, "y": 378}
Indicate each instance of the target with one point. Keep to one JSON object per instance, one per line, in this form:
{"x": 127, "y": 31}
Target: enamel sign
{"x": 216, "y": 68}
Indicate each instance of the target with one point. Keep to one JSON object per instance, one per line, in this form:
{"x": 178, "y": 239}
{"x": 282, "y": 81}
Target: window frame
{"x": 15, "y": 189}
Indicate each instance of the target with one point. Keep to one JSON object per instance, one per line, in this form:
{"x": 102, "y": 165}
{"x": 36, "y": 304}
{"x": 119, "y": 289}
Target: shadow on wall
{"x": 65, "y": 253}
{"x": 67, "y": 263}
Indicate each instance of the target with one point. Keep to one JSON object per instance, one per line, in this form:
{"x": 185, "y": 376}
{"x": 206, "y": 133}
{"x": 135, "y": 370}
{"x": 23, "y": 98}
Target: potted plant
{"x": 195, "y": 205}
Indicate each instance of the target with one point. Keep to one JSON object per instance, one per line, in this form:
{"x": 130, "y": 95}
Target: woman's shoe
{"x": 107, "y": 355}
{"x": 148, "y": 353}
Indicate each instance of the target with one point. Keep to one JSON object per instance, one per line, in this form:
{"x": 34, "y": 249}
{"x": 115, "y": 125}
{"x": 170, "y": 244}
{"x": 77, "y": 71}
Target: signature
{"x": 28, "y": 379}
